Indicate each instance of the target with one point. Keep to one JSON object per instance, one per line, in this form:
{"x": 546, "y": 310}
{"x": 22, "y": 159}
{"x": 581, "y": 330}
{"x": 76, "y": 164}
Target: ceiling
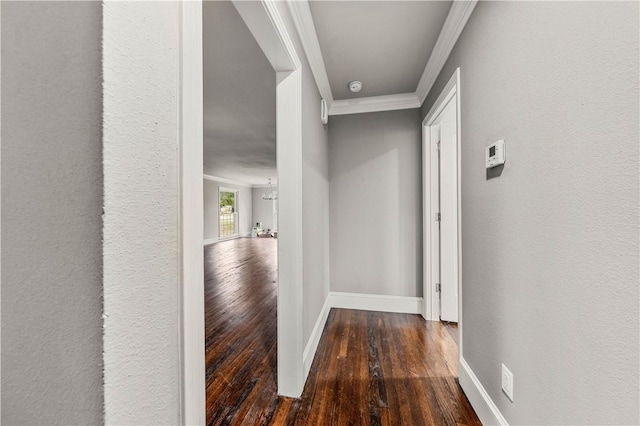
{"x": 396, "y": 48}
{"x": 239, "y": 100}
{"x": 384, "y": 44}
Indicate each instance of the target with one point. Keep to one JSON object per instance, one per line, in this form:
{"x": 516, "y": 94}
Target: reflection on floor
{"x": 371, "y": 368}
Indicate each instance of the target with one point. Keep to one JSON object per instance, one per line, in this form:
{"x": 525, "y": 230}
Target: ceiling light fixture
{"x": 271, "y": 196}
{"x": 355, "y": 86}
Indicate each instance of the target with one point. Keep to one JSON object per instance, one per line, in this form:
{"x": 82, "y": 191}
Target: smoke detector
{"x": 355, "y": 86}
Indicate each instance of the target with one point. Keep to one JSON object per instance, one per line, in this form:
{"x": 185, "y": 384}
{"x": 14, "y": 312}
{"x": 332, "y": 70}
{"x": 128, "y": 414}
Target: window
{"x": 228, "y": 224}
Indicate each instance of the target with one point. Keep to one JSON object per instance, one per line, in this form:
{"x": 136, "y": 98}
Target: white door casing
{"x": 191, "y": 221}
{"x": 266, "y": 24}
{"x": 433, "y": 125}
{"x": 434, "y": 226}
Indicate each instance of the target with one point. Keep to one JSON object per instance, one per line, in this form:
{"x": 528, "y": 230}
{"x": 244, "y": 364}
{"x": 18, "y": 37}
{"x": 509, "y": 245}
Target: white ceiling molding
{"x": 374, "y": 104}
{"x": 454, "y": 24}
{"x": 301, "y": 14}
{"x": 452, "y": 28}
{"x": 227, "y": 181}
{"x": 261, "y": 26}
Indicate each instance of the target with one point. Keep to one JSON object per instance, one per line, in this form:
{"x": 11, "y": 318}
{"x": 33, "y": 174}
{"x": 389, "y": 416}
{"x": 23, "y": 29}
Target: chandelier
{"x": 271, "y": 196}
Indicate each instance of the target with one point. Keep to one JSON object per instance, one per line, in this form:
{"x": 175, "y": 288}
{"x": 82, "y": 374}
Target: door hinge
{"x": 438, "y": 146}
{"x": 438, "y": 217}
{"x": 437, "y": 287}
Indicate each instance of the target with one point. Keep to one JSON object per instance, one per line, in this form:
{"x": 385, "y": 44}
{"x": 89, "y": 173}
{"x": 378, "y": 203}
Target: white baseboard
{"x": 210, "y": 241}
{"x": 375, "y": 302}
{"x": 314, "y": 340}
{"x": 214, "y": 240}
{"x": 480, "y": 400}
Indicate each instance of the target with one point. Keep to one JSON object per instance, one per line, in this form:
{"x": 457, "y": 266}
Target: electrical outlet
{"x": 507, "y": 382}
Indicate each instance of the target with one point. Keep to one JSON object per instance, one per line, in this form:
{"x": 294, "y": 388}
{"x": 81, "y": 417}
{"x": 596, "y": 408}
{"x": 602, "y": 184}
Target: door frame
{"x": 265, "y": 23}
{"x": 430, "y": 306}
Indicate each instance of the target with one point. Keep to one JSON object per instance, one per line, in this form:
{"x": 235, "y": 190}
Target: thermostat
{"x": 495, "y": 154}
{"x": 324, "y": 112}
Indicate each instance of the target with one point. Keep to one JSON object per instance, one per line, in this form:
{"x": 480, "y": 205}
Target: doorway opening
{"x": 265, "y": 23}
{"x": 241, "y": 267}
{"x": 441, "y": 197}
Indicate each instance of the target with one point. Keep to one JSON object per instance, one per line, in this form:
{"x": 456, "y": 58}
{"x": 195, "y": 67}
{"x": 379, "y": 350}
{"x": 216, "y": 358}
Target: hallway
{"x": 371, "y": 368}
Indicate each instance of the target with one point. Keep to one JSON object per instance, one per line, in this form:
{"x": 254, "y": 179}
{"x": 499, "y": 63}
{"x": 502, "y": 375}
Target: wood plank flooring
{"x": 240, "y": 330}
{"x": 371, "y": 368}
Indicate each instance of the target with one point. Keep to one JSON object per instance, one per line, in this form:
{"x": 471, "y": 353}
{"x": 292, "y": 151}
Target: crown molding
{"x": 452, "y": 28}
{"x": 374, "y": 104}
{"x": 301, "y": 14}
{"x": 454, "y": 24}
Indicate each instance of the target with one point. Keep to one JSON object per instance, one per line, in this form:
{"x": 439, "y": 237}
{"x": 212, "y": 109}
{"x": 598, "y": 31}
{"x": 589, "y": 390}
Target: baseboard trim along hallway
{"x": 480, "y": 400}
{"x": 214, "y": 240}
{"x": 312, "y": 345}
{"x": 362, "y": 302}
{"x": 380, "y": 368}
{"x": 376, "y": 302}
{"x": 477, "y": 395}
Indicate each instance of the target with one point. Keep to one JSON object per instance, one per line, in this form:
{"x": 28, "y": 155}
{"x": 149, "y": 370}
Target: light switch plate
{"x": 507, "y": 382}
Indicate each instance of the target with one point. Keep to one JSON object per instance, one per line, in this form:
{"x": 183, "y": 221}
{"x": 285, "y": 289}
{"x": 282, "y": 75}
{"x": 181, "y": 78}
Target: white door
{"x": 441, "y": 199}
{"x": 448, "y": 215}
{"x": 444, "y": 198}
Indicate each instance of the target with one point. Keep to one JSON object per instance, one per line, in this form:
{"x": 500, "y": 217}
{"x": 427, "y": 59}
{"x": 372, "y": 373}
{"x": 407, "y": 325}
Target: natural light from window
{"x": 228, "y": 213}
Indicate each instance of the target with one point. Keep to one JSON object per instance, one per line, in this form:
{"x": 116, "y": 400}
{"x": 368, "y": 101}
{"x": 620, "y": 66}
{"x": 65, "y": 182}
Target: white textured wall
{"x": 212, "y": 208}
{"x": 262, "y": 209}
{"x": 141, "y": 262}
{"x": 376, "y": 203}
{"x": 550, "y": 248}
{"x": 51, "y": 213}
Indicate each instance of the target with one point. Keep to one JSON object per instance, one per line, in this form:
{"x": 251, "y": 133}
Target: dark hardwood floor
{"x": 371, "y": 368}
{"x": 240, "y": 330}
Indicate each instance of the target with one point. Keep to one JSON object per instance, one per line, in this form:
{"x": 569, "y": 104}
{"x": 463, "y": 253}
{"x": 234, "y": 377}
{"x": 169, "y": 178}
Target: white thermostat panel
{"x": 495, "y": 154}
{"x": 324, "y": 112}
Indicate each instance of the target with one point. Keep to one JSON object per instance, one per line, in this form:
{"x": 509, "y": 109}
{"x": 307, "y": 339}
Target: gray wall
{"x": 315, "y": 204}
{"x": 376, "y": 203}
{"x": 51, "y": 217}
{"x": 212, "y": 208}
{"x": 315, "y": 191}
{"x": 262, "y": 209}
{"x": 550, "y": 248}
